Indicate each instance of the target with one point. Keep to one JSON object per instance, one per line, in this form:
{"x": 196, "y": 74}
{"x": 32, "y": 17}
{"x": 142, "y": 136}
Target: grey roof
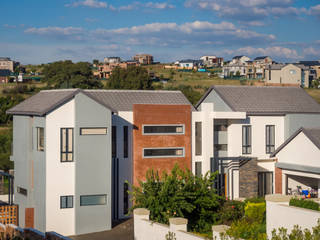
{"x": 238, "y": 57}
{"x": 265, "y": 100}
{"x": 260, "y": 58}
{"x": 116, "y": 100}
{"x": 297, "y": 167}
{"x": 310, "y": 63}
{"x": 312, "y": 133}
{"x": 276, "y": 66}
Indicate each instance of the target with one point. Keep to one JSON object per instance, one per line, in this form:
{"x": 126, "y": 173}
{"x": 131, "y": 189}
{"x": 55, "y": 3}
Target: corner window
{"x": 246, "y": 139}
{"x": 90, "y": 200}
{"x": 163, "y": 129}
{"x": 270, "y": 138}
{"x": 163, "y": 152}
{"x": 66, "y": 144}
{"x": 66, "y": 202}
{"x": 40, "y": 139}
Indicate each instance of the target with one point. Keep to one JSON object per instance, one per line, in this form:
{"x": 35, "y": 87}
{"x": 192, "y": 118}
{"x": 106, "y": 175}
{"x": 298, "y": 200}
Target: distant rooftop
{"x": 310, "y": 63}
{"x": 5, "y": 59}
{"x": 261, "y": 58}
{"x": 265, "y": 100}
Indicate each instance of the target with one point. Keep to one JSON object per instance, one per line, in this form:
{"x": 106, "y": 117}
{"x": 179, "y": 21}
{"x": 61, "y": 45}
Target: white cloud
{"x": 315, "y": 10}
{"x": 139, "y": 5}
{"x": 74, "y": 33}
{"x": 312, "y": 52}
{"x": 88, "y": 3}
{"x": 159, "y": 5}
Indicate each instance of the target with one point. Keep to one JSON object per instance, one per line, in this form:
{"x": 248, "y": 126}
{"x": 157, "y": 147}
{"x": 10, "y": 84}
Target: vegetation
{"x": 179, "y": 194}
{"x": 66, "y": 74}
{"x": 130, "y": 78}
{"x": 302, "y": 203}
{"x": 6, "y": 103}
{"x": 5, "y": 149}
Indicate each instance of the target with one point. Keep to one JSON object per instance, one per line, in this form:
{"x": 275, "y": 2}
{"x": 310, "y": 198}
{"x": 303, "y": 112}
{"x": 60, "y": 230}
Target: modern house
{"x": 287, "y": 74}
{"x": 145, "y": 59}
{"x": 212, "y": 61}
{"x": 189, "y": 64}
{"x": 112, "y": 60}
{"x": 236, "y": 67}
{"x": 236, "y": 128}
{"x": 297, "y": 165}
{"x": 105, "y": 70}
{"x": 8, "y": 64}
{"x": 74, "y": 151}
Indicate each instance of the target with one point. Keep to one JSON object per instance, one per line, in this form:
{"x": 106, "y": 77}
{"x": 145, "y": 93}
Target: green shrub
{"x": 255, "y": 212}
{"x": 255, "y": 200}
{"x": 247, "y": 230}
{"x": 308, "y": 204}
{"x": 231, "y": 211}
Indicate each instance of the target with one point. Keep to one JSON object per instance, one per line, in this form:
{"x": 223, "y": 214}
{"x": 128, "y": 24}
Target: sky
{"x": 42, "y": 31}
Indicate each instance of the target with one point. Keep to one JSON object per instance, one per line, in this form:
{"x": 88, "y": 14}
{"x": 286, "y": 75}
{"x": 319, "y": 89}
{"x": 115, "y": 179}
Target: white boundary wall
{"x": 280, "y": 214}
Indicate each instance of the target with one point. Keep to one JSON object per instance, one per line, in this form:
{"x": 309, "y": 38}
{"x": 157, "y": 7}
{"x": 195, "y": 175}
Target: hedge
{"x": 308, "y": 204}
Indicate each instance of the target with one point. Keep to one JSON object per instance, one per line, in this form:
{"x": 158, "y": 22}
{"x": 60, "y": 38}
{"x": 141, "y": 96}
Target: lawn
{"x": 315, "y": 93}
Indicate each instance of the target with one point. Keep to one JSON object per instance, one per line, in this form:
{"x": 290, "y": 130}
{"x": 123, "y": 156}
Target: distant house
{"x": 8, "y": 64}
{"x": 189, "y": 63}
{"x": 264, "y": 60}
{"x": 315, "y": 65}
{"x": 236, "y": 67}
{"x": 105, "y": 70}
{"x": 239, "y": 59}
{"x": 288, "y": 74}
{"x": 144, "y": 59}
{"x": 212, "y": 61}
{"x": 112, "y": 60}
{"x": 4, "y": 75}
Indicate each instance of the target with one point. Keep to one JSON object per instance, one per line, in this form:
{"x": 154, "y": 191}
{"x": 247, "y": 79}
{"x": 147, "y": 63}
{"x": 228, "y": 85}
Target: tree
{"x": 131, "y": 78}
{"x": 95, "y": 61}
{"x": 66, "y": 74}
{"x": 179, "y": 194}
{"x": 192, "y": 95}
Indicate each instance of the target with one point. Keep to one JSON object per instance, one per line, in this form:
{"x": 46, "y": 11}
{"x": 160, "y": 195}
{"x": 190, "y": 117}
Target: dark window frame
{"x": 22, "y": 191}
{"x": 270, "y": 148}
{"x": 164, "y": 156}
{"x": 163, "y": 125}
{"x": 125, "y": 198}
{"x": 125, "y": 141}
{"x": 39, "y": 147}
{"x": 66, "y": 201}
{"x": 95, "y": 134}
{"x": 198, "y": 138}
{"x": 198, "y": 168}
{"x": 67, "y": 145}
{"x": 263, "y": 192}
{"x": 247, "y": 139}
{"x": 114, "y": 141}
{"x": 94, "y": 195}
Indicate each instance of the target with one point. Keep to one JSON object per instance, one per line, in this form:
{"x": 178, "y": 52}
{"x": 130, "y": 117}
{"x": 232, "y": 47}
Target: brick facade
{"x": 160, "y": 114}
{"x": 278, "y": 180}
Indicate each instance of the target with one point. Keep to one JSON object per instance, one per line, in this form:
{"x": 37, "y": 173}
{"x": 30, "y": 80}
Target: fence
{"x": 9, "y": 214}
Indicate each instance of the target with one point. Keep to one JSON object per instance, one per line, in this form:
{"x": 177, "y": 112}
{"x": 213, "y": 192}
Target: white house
{"x": 236, "y": 128}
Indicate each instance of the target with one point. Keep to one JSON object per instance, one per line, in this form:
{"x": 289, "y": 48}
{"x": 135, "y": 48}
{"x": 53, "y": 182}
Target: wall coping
{"x": 141, "y": 211}
{"x": 220, "y": 228}
{"x": 278, "y": 198}
{"x": 178, "y": 221}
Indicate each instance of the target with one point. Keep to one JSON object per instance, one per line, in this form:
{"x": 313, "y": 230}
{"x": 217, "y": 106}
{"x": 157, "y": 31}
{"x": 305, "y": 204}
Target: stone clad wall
{"x": 248, "y": 179}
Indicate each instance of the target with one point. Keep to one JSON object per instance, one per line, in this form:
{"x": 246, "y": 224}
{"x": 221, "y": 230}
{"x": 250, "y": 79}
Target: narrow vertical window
{"x": 125, "y": 142}
{"x": 198, "y": 168}
{"x": 114, "y": 141}
{"x": 246, "y": 139}
{"x": 270, "y": 138}
{"x": 125, "y": 198}
{"x": 66, "y": 144}
{"x": 198, "y": 133}
{"x": 40, "y": 139}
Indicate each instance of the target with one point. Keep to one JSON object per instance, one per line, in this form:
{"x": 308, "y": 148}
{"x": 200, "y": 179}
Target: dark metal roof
{"x": 297, "y": 167}
{"x": 310, "y": 63}
{"x": 116, "y": 100}
{"x": 269, "y": 100}
{"x": 312, "y": 133}
{"x": 260, "y": 58}
{"x": 238, "y": 57}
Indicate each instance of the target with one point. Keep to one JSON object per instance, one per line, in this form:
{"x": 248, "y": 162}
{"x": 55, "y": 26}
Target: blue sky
{"x": 41, "y": 31}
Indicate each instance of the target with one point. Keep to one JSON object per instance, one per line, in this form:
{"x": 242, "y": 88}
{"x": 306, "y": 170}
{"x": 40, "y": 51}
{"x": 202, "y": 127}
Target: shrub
{"x": 308, "y": 204}
{"x": 255, "y": 212}
{"x": 231, "y": 211}
{"x": 247, "y": 230}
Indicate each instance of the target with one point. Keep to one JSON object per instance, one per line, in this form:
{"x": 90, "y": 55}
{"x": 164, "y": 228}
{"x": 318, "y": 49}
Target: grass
{"x": 315, "y": 93}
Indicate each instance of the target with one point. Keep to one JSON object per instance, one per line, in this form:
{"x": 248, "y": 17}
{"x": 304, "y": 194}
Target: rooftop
{"x": 265, "y": 100}
{"x": 116, "y": 100}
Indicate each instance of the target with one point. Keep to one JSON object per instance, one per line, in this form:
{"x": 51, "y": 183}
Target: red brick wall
{"x": 278, "y": 180}
{"x": 160, "y": 114}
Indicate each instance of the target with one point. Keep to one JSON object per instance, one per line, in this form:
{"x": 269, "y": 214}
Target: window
{"x": 125, "y": 142}
{"x": 198, "y": 168}
{"x": 163, "y": 152}
{"x": 220, "y": 128}
{"x": 163, "y": 129}
{"x": 125, "y": 198}
{"x": 40, "y": 139}
{"x": 66, "y": 144}
{"x": 270, "y": 138}
{"x": 292, "y": 71}
{"x": 66, "y": 202}
{"x": 89, "y": 200}
{"x": 221, "y": 147}
{"x": 22, "y": 191}
{"x": 93, "y": 131}
{"x": 198, "y": 133}
{"x": 246, "y": 139}
{"x": 265, "y": 183}
{"x": 114, "y": 141}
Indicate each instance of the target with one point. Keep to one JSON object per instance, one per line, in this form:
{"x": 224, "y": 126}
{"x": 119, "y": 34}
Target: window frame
{"x": 197, "y": 165}
{"x": 24, "y": 191}
{"x": 66, "y": 199}
{"x": 67, "y": 148}
{"x": 94, "y": 134}
{"x": 163, "y": 125}
{"x": 269, "y": 146}
{"x": 168, "y": 156}
{"x": 93, "y": 195}
{"x": 247, "y": 145}
{"x": 198, "y": 138}
{"x": 125, "y": 198}
{"x": 125, "y": 141}
{"x": 39, "y": 148}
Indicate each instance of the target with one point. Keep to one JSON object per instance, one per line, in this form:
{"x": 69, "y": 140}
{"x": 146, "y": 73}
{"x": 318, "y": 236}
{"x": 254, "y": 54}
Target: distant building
{"x": 105, "y": 70}
{"x": 236, "y": 67}
{"x": 144, "y": 59}
{"x": 212, "y": 61}
{"x": 239, "y": 59}
{"x": 4, "y": 75}
{"x": 189, "y": 63}
{"x": 112, "y": 60}
{"x": 288, "y": 74}
{"x": 314, "y": 65}
{"x": 8, "y": 64}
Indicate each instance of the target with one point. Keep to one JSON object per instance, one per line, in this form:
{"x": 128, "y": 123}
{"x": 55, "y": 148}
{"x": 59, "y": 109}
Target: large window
{"x": 198, "y": 168}
{"x": 66, "y": 202}
{"x": 66, "y": 144}
{"x": 125, "y": 198}
{"x": 246, "y": 139}
{"x": 163, "y": 152}
{"x": 270, "y": 138}
{"x": 40, "y": 139}
{"x": 125, "y": 142}
{"x": 163, "y": 129}
{"x": 198, "y": 133}
{"x": 265, "y": 183}
{"x": 89, "y": 200}
{"x": 93, "y": 131}
{"x": 114, "y": 141}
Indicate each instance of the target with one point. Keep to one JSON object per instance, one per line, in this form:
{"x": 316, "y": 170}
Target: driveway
{"x": 122, "y": 231}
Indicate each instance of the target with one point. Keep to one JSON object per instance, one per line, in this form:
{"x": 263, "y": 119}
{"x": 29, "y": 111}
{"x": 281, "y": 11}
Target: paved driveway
{"x": 123, "y": 231}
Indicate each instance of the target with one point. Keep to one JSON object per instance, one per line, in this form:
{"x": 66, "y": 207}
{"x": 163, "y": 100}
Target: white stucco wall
{"x": 60, "y": 177}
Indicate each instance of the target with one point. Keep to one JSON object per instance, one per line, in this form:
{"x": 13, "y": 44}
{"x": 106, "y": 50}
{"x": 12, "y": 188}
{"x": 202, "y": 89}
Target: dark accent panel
{"x": 248, "y": 179}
